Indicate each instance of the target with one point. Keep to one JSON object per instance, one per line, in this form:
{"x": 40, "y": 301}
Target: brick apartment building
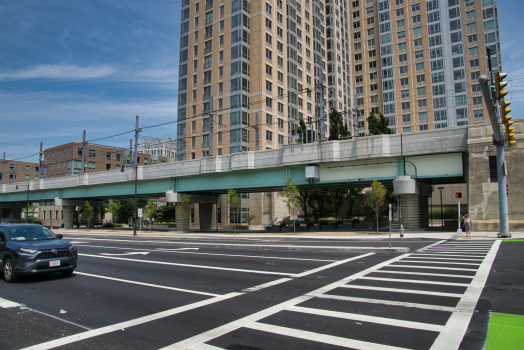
{"x": 18, "y": 171}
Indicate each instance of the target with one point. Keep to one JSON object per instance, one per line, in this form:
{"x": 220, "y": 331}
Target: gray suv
{"x": 27, "y": 249}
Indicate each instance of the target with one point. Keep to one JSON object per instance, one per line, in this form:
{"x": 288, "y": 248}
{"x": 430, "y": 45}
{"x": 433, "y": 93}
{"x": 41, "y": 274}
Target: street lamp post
{"x": 441, "y": 210}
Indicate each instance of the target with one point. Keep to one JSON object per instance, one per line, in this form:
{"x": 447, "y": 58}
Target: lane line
{"x": 4, "y": 303}
{"x": 209, "y": 347}
{"x": 331, "y": 265}
{"x": 56, "y": 318}
{"x": 458, "y": 322}
{"x": 434, "y": 267}
{"x": 430, "y": 246}
{"x": 188, "y": 265}
{"x": 440, "y": 262}
{"x": 404, "y": 291}
{"x": 320, "y": 338}
{"x": 454, "y": 259}
{"x": 126, "y": 324}
{"x": 415, "y": 281}
{"x": 195, "y": 341}
{"x": 459, "y": 250}
{"x": 365, "y": 318}
{"x": 174, "y": 250}
{"x": 424, "y": 274}
{"x": 147, "y": 284}
{"x": 387, "y": 302}
{"x": 266, "y": 285}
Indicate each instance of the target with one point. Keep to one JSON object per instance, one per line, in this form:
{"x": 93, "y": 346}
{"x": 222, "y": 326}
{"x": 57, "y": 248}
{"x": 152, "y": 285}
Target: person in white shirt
{"x": 467, "y": 224}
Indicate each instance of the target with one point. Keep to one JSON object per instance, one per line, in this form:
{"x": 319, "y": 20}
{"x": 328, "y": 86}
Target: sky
{"x": 69, "y": 66}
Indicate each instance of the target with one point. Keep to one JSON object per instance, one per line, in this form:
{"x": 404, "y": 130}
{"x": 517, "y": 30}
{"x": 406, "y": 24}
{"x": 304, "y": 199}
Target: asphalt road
{"x": 132, "y": 295}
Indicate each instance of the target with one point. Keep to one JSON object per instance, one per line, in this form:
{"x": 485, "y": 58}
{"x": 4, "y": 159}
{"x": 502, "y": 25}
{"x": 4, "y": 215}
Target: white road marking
{"x": 454, "y": 259}
{"x": 458, "y": 250}
{"x": 458, "y": 322}
{"x": 331, "y": 265}
{"x": 425, "y": 274}
{"x": 209, "y": 347}
{"x": 434, "y": 267}
{"x": 430, "y": 246}
{"x": 320, "y": 338}
{"x": 130, "y": 253}
{"x": 183, "y": 251}
{"x": 415, "y": 281}
{"x": 387, "y": 302}
{"x": 147, "y": 284}
{"x": 126, "y": 324}
{"x": 405, "y": 291}
{"x": 451, "y": 254}
{"x": 365, "y": 318}
{"x": 189, "y": 265}
{"x": 4, "y": 303}
{"x": 440, "y": 262}
{"x": 195, "y": 341}
{"x": 266, "y": 285}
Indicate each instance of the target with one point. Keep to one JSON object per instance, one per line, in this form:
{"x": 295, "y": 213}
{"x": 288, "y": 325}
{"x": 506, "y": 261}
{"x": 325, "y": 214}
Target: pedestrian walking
{"x": 467, "y": 224}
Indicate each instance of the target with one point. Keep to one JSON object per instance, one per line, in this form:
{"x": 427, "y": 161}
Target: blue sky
{"x": 66, "y": 66}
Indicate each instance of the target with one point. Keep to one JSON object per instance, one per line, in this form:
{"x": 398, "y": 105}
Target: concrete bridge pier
{"x": 69, "y": 206}
{"x": 414, "y": 198}
{"x": 69, "y": 216}
{"x": 205, "y": 210}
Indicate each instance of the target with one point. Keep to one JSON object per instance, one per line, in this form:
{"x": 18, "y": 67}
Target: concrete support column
{"x": 410, "y": 204}
{"x": 69, "y": 216}
{"x": 205, "y": 213}
{"x": 182, "y": 224}
{"x": 16, "y": 213}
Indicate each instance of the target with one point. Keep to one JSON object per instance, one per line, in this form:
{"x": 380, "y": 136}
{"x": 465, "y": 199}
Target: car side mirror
{"x": 60, "y": 236}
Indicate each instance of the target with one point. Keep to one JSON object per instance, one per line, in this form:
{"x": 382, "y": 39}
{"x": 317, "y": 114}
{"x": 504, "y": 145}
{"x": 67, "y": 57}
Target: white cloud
{"x": 62, "y": 71}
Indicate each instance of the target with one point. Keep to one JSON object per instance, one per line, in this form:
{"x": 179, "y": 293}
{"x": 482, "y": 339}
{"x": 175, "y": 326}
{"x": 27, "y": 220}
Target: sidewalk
{"x": 316, "y": 235}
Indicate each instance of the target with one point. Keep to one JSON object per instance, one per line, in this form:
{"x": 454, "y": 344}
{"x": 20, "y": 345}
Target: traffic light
{"x": 508, "y": 123}
{"x": 499, "y": 85}
{"x": 458, "y": 195}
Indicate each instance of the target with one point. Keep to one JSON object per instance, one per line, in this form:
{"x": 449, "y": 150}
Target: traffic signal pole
{"x": 498, "y": 141}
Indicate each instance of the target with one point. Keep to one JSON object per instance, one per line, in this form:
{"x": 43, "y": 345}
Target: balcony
{"x": 421, "y": 83}
{"x": 207, "y": 80}
{"x": 405, "y": 98}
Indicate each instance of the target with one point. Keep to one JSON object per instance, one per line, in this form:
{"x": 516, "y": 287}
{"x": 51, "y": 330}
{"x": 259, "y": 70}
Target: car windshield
{"x": 37, "y": 233}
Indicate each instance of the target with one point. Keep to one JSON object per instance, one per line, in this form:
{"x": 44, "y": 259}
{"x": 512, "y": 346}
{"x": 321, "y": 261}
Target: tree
{"x": 234, "y": 204}
{"x": 337, "y": 129}
{"x": 292, "y": 198}
{"x": 351, "y": 198}
{"x": 336, "y": 198}
{"x": 377, "y": 198}
{"x": 150, "y": 211}
{"x": 378, "y": 126}
{"x": 185, "y": 208}
{"x": 114, "y": 209}
{"x": 306, "y": 202}
{"x": 88, "y": 213}
{"x": 301, "y": 130}
{"x": 320, "y": 210}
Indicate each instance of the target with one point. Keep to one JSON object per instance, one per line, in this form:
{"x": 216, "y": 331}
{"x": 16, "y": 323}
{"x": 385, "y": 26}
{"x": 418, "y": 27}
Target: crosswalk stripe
{"x": 366, "y": 318}
{"x": 424, "y": 257}
{"x": 317, "y": 337}
{"x": 405, "y": 291}
{"x": 387, "y": 302}
{"x": 209, "y": 347}
{"x": 434, "y": 267}
{"x": 424, "y": 273}
{"x": 416, "y": 281}
{"x": 440, "y": 262}
{"x": 450, "y": 254}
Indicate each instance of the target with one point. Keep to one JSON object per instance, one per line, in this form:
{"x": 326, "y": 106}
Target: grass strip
{"x": 506, "y": 331}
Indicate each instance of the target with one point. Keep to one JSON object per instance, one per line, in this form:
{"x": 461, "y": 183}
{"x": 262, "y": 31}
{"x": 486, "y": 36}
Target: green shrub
{"x": 355, "y": 221}
{"x": 283, "y": 224}
{"x": 339, "y": 222}
{"x": 323, "y": 223}
{"x": 310, "y": 224}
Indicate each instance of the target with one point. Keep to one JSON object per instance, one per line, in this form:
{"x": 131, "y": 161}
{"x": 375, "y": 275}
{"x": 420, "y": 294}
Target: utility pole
{"x": 322, "y": 112}
{"x": 84, "y": 152}
{"x": 137, "y": 130}
{"x": 3, "y": 170}
{"x": 40, "y": 155}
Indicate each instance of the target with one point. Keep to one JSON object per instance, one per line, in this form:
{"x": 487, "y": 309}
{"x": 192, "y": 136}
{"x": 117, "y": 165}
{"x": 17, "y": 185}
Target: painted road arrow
{"x": 130, "y": 253}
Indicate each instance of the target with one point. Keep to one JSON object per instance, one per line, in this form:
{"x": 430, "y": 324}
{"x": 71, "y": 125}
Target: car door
{"x": 2, "y": 243}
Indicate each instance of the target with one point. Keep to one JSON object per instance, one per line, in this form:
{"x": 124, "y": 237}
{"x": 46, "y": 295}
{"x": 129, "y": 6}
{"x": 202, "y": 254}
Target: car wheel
{"x": 9, "y": 271}
{"x": 67, "y": 272}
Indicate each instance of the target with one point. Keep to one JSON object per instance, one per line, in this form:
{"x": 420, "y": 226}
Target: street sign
{"x": 140, "y": 212}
